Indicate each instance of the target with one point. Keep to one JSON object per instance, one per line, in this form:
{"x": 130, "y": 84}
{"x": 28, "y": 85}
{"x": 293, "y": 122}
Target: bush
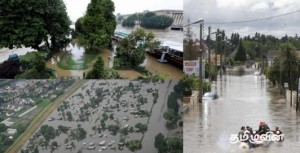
{"x": 134, "y": 145}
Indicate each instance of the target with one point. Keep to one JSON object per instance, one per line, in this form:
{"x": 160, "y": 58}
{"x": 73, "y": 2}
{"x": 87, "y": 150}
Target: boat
{"x": 118, "y": 36}
{"x": 169, "y": 52}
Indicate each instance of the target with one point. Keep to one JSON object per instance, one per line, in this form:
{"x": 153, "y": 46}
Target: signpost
{"x": 192, "y": 67}
{"x": 286, "y": 85}
{"x": 299, "y": 85}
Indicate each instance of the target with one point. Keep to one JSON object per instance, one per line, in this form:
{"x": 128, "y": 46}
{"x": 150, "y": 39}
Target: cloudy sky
{"x": 76, "y": 8}
{"x": 241, "y": 10}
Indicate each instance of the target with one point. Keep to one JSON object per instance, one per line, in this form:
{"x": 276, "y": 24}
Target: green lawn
{"x": 67, "y": 63}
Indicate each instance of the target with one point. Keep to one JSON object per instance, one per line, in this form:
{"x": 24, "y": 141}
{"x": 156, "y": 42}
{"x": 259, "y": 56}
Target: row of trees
{"x": 285, "y": 68}
{"x": 149, "y": 20}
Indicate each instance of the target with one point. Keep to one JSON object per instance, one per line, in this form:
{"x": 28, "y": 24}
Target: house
{"x": 11, "y": 131}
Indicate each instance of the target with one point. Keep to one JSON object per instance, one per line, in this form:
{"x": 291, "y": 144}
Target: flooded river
{"x": 244, "y": 101}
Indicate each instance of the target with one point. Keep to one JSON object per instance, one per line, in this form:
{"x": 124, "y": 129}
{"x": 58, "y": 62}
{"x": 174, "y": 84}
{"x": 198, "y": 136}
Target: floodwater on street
{"x": 244, "y": 101}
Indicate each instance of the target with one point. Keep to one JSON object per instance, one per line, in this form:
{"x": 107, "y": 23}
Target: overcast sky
{"x": 76, "y": 8}
{"x": 240, "y": 10}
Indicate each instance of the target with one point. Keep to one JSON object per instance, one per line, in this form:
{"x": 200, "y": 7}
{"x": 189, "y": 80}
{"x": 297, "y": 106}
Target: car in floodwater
{"x": 210, "y": 96}
{"x": 256, "y": 73}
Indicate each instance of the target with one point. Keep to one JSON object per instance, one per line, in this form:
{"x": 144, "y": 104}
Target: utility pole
{"x": 221, "y": 56}
{"x": 217, "y": 42}
{"x": 200, "y": 64}
{"x": 208, "y": 45}
{"x": 298, "y": 79}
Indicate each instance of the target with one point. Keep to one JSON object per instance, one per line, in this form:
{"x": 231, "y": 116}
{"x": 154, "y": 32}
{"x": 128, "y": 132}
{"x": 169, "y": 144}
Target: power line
{"x": 254, "y": 20}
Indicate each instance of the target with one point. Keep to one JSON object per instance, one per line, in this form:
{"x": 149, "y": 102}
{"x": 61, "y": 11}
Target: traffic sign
{"x": 286, "y": 85}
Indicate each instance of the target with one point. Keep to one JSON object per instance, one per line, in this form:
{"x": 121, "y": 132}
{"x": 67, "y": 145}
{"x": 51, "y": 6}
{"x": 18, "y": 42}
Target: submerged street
{"x": 243, "y": 101}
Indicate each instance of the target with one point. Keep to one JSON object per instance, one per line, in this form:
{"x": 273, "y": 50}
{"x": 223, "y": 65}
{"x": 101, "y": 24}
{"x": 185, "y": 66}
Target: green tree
{"x": 2, "y": 127}
{"x": 29, "y": 22}
{"x": 134, "y": 145}
{"x": 156, "y": 22}
{"x": 284, "y": 67}
{"x": 142, "y": 127}
{"x": 48, "y": 132}
{"x": 160, "y": 143}
{"x": 131, "y": 50}
{"x": 124, "y": 131}
{"x": 34, "y": 67}
{"x": 241, "y": 53}
{"x": 130, "y": 20}
{"x": 175, "y": 144}
{"x": 98, "y": 71}
{"x": 69, "y": 116}
{"x": 98, "y": 25}
{"x": 113, "y": 129}
{"x": 171, "y": 117}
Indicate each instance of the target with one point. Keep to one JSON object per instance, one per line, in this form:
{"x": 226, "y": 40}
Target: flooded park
{"x": 75, "y": 60}
{"x": 84, "y": 59}
{"x": 106, "y": 115}
{"x": 245, "y": 100}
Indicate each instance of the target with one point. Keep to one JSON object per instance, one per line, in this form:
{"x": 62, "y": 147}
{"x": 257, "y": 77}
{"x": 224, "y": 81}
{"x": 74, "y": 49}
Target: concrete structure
{"x": 177, "y": 16}
{"x": 189, "y": 102}
{"x": 294, "y": 97}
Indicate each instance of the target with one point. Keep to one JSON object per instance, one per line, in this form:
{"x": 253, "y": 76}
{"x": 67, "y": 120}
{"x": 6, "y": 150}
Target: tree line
{"x": 149, "y": 20}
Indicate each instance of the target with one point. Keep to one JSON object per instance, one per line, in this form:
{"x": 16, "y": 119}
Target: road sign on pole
{"x": 299, "y": 85}
{"x": 286, "y": 85}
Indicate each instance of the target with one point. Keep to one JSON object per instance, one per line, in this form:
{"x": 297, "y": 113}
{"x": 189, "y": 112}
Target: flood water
{"x": 244, "y": 101}
{"x": 151, "y": 62}
{"x": 155, "y": 122}
{"x": 80, "y": 56}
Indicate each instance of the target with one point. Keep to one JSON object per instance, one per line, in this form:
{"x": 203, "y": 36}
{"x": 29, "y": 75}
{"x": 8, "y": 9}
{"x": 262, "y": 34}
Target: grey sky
{"x": 76, "y": 8}
{"x": 240, "y": 10}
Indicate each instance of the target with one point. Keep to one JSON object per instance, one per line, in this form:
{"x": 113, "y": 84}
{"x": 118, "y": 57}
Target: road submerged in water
{"x": 244, "y": 101}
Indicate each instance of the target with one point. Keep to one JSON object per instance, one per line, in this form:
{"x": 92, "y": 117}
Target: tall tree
{"x": 241, "y": 53}
{"x": 30, "y": 22}
{"x": 98, "y": 25}
{"x": 98, "y": 71}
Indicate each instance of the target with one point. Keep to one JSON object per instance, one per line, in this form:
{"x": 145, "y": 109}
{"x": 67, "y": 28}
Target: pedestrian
{"x": 279, "y": 133}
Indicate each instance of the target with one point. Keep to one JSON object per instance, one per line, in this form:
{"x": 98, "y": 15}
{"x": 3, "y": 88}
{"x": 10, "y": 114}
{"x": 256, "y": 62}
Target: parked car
{"x": 210, "y": 96}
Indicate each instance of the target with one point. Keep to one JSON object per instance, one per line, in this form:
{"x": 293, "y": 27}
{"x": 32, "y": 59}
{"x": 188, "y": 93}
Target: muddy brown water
{"x": 244, "y": 101}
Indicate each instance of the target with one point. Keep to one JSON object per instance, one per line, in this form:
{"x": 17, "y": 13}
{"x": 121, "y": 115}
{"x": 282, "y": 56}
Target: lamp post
{"x": 201, "y": 22}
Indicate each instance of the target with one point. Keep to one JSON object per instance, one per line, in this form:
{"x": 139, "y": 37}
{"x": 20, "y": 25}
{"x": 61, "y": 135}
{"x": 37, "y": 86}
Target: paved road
{"x": 38, "y": 121}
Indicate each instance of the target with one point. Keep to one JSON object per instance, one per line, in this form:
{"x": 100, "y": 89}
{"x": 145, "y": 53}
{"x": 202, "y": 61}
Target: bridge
{"x": 176, "y": 15}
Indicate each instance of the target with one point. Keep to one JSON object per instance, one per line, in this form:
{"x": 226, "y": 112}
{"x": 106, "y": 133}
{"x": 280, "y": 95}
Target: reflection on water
{"x": 244, "y": 101}
{"x": 154, "y": 66}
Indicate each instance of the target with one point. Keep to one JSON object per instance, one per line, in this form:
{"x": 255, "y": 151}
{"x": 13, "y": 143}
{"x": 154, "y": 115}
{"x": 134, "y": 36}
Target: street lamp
{"x": 201, "y": 22}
